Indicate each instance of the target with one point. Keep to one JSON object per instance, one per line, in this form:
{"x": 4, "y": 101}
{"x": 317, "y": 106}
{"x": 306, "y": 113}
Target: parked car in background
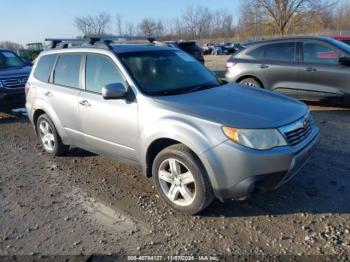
{"x": 345, "y": 39}
{"x": 208, "y": 48}
{"x": 14, "y": 73}
{"x": 217, "y": 49}
{"x": 310, "y": 68}
{"x": 189, "y": 47}
{"x": 159, "y": 109}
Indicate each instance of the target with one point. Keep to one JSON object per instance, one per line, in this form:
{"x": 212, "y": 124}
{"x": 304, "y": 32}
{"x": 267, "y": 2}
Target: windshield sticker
{"x": 185, "y": 57}
{"x": 8, "y": 54}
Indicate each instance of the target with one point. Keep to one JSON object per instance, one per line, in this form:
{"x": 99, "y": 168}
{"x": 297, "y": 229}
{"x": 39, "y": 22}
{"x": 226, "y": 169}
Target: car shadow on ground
{"x": 322, "y": 187}
{"x": 12, "y": 117}
{"x": 78, "y": 152}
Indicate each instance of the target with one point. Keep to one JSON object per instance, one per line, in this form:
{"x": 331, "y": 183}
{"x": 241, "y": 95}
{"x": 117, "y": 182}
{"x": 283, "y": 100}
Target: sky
{"x": 25, "y": 21}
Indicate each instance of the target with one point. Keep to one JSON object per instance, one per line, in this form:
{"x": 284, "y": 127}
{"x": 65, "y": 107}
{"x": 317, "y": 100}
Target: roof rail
{"x": 105, "y": 40}
{"x": 55, "y": 42}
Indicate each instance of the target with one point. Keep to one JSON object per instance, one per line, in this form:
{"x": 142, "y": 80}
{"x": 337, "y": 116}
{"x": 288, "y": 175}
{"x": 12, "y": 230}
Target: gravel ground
{"x": 87, "y": 204}
{"x": 83, "y": 203}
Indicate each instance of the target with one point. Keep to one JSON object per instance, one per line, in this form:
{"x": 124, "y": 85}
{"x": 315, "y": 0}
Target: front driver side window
{"x": 101, "y": 71}
{"x": 318, "y": 53}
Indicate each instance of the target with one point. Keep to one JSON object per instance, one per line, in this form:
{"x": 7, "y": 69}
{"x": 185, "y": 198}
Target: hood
{"x": 237, "y": 106}
{"x": 13, "y": 72}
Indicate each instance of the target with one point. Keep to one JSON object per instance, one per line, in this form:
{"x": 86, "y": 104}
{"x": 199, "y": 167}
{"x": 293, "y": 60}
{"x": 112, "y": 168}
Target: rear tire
{"x": 48, "y": 136}
{"x": 251, "y": 82}
{"x": 181, "y": 180}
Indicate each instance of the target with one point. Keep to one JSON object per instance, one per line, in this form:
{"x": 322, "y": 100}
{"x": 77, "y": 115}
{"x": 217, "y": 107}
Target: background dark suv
{"x": 189, "y": 47}
{"x": 310, "y": 68}
{"x": 14, "y": 73}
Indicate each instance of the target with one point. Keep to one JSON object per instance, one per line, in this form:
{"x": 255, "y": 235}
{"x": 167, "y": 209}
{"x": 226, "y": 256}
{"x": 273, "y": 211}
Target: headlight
{"x": 261, "y": 139}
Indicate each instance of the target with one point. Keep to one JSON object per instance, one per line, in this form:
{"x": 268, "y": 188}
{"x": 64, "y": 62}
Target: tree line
{"x": 256, "y": 19}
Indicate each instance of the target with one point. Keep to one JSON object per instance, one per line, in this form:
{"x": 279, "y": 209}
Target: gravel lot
{"x": 86, "y": 204}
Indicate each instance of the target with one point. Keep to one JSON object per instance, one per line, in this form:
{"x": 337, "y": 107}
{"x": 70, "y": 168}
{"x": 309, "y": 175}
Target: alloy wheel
{"x": 177, "y": 182}
{"x": 47, "y": 136}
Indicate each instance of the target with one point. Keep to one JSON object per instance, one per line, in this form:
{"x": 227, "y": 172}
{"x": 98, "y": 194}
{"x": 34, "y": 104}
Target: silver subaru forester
{"x": 158, "y": 108}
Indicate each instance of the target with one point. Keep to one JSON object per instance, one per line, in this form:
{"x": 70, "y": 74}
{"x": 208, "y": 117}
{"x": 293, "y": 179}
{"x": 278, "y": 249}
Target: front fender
{"x": 199, "y": 137}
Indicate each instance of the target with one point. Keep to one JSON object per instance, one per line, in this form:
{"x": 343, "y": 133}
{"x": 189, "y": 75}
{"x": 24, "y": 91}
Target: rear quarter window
{"x": 257, "y": 53}
{"x": 44, "y": 67}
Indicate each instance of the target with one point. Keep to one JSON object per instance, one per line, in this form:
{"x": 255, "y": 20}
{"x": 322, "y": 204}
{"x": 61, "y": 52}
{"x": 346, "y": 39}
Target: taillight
{"x": 230, "y": 64}
{"x": 26, "y": 88}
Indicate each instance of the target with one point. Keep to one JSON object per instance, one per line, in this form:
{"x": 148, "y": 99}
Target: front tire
{"x": 181, "y": 180}
{"x": 251, "y": 82}
{"x": 48, "y": 136}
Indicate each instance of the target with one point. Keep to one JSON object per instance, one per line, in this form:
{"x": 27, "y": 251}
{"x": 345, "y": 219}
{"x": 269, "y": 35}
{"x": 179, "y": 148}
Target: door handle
{"x": 85, "y": 103}
{"x": 310, "y": 69}
{"x": 48, "y": 94}
{"x": 264, "y": 66}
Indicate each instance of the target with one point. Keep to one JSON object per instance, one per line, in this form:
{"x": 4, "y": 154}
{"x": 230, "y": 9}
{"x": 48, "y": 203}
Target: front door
{"x": 110, "y": 127}
{"x": 323, "y": 78}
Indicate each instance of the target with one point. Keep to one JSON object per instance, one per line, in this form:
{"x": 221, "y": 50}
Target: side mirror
{"x": 114, "y": 91}
{"x": 344, "y": 60}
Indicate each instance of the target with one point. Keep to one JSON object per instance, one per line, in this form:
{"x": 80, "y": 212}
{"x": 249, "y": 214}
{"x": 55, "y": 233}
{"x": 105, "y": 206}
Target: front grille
{"x": 14, "y": 82}
{"x": 298, "y": 131}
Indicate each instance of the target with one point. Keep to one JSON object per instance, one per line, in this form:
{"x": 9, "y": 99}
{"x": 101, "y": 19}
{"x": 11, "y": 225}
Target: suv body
{"x": 14, "y": 73}
{"x": 190, "y": 47}
{"x": 310, "y": 68}
{"x": 139, "y": 104}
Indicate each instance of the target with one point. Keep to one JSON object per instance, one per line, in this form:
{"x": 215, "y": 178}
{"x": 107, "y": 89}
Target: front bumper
{"x": 12, "y": 98}
{"x": 236, "y": 171}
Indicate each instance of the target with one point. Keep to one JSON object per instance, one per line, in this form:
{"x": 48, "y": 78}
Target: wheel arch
{"x": 41, "y": 107}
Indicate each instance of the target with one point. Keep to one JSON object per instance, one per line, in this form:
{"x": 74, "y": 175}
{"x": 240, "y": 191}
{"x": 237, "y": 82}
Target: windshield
{"x": 341, "y": 45}
{"x": 9, "y": 59}
{"x": 168, "y": 72}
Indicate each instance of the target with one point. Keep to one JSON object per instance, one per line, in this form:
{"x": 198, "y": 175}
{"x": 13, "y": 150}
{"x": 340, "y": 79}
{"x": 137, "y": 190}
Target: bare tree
{"x": 119, "y": 22}
{"x": 150, "y": 27}
{"x": 281, "y": 12}
{"x": 11, "y": 45}
{"x": 129, "y": 29}
{"x": 197, "y": 21}
{"x": 93, "y": 25}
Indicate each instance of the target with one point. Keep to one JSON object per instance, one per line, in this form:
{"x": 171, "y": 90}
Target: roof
{"x": 293, "y": 38}
{"x": 341, "y": 37}
{"x": 3, "y": 49}
{"x": 129, "y": 48}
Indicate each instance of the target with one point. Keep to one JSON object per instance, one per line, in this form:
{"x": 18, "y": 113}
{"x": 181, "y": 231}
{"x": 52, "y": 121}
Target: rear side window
{"x": 280, "y": 52}
{"x": 67, "y": 70}
{"x": 101, "y": 71}
{"x": 318, "y": 53}
{"x": 44, "y": 67}
{"x": 276, "y": 52}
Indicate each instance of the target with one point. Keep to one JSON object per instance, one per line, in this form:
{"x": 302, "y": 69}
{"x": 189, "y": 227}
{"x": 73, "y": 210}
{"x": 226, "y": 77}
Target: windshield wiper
{"x": 201, "y": 87}
{"x": 185, "y": 90}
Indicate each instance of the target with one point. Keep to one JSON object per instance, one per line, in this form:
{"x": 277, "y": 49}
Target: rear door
{"x": 276, "y": 65}
{"x": 321, "y": 75}
{"x": 62, "y": 93}
{"x": 110, "y": 127}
